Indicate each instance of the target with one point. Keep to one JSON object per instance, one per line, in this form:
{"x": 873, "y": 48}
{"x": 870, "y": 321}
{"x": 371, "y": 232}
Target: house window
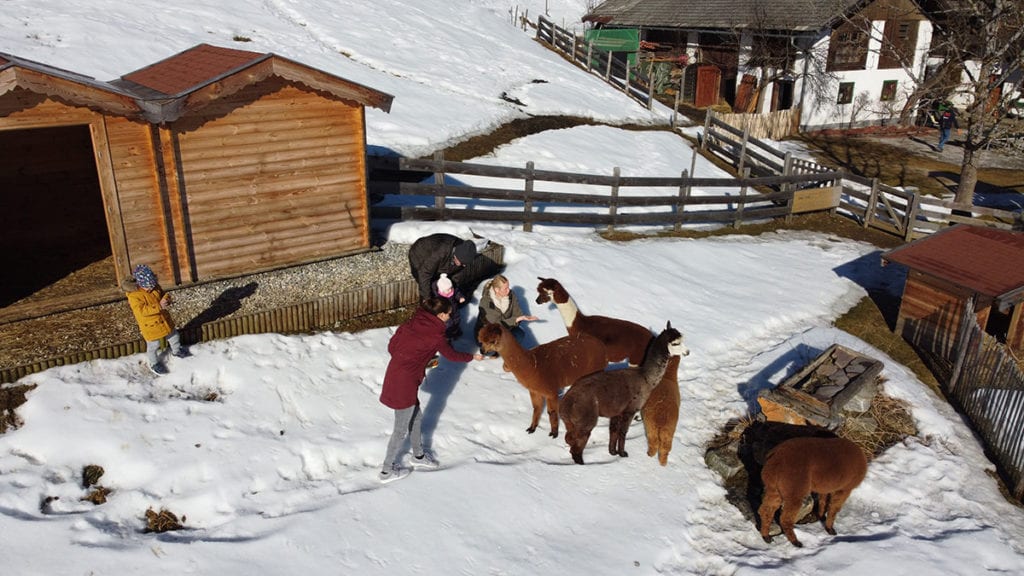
{"x": 848, "y": 47}
{"x": 888, "y": 91}
{"x": 845, "y": 93}
{"x": 898, "y": 40}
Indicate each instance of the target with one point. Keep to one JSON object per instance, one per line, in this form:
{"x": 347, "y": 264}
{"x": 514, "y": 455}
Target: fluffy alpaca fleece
{"x": 625, "y": 340}
{"x": 616, "y": 395}
{"x": 545, "y": 369}
{"x": 828, "y": 467}
{"x": 661, "y": 413}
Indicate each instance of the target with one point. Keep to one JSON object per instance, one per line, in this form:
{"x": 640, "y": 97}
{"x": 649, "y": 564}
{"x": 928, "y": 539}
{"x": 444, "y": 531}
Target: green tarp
{"x": 615, "y": 40}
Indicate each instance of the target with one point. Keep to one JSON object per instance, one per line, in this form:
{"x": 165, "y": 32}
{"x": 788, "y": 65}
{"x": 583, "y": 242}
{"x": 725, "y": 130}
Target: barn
{"x": 210, "y": 164}
{"x": 953, "y": 267}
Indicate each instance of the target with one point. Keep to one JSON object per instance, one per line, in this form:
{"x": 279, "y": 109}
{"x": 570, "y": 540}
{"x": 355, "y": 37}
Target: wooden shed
{"x": 947, "y": 269}
{"x": 210, "y": 164}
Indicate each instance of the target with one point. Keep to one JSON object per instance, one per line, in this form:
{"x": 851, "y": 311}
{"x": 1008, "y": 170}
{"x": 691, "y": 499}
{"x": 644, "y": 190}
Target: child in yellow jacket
{"x": 149, "y": 305}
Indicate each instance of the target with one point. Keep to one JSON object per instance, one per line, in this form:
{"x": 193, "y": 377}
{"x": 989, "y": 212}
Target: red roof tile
{"x": 192, "y": 68}
{"x": 986, "y": 260}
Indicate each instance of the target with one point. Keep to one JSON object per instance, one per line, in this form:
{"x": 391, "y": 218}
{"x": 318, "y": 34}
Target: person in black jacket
{"x": 947, "y": 122}
{"x": 432, "y": 255}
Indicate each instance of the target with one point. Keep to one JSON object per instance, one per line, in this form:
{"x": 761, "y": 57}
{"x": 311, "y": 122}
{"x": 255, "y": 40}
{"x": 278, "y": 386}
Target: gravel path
{"x": 59, "y": 334}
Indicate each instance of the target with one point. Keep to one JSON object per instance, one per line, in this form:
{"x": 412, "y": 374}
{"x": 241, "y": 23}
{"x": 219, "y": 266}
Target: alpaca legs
{"x": 618, "y": 426}
{"x": 577, "y": 441}
{"x": 787, "y": 519}
{"x": 770, "y": 502}
{"x": 836, "y": 501}
{"x": 553, "y": 416}
{"x": 538, "y": 405}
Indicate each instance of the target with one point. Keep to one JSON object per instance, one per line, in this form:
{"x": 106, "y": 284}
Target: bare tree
{"x": 984, "y": 39}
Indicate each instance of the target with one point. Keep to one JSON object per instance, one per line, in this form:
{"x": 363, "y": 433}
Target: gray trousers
{"x": 407, "y": 423}
{"x": 152, "y": 346}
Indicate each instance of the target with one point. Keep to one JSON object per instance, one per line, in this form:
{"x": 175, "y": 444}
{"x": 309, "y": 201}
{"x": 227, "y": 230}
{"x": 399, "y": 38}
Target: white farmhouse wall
{"x": 820, "y": 107}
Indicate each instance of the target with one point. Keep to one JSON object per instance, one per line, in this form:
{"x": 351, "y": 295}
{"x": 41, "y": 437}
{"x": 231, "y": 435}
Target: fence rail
{"x": 525, "y": 196}
{"x": 615, "y": 71}
{"x": 900, "y": 211}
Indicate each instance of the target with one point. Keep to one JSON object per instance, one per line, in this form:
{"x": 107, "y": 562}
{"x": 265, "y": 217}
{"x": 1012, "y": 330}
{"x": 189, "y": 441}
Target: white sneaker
{"x": 394, "y": 474}
{"x": 425, "y": 460}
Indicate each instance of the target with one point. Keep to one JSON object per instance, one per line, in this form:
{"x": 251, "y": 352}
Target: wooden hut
{"x": 210, "y": 164}
{"x": 952, "y": 267}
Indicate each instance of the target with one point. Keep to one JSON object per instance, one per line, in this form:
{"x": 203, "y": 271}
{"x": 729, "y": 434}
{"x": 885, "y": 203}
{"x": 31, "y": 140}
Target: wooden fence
{"x": 615, "y": 71}
{"x": 775, "y": 125}
{"x": 901, "y": 211}
{"x": 987, "y": 385}
{"x": 526, "y": 199}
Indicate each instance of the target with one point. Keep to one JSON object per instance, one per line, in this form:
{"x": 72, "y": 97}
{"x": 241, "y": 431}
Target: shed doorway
{"x": 53, "y": 228}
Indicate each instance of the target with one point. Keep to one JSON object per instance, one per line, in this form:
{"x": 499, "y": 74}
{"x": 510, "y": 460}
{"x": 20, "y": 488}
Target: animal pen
{"x": 213, "y": 163}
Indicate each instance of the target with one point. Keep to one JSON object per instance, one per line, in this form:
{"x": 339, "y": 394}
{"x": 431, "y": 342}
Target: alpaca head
{"x": 489, "y": 337}
{"x": 549, "y": 290}
{"x": 673, "y": 340}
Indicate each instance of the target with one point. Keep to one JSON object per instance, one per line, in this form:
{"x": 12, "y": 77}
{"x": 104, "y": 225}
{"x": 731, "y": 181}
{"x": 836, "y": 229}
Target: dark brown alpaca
{"x": 828, "y": 467}
{"x": 661, "y": 413}
{"x": 545, "y": 369}
{"x": 624, "y": 339}
{"x": 616, "y": 395}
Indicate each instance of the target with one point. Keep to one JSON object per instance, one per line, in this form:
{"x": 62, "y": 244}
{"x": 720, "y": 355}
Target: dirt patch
{"x": 909, "y": 159}
{"x": 10, "y": 398}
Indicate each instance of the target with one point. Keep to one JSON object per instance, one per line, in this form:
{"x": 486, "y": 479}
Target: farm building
{"x": 952, "y": 267}
{"x": 212, "y": 163}
{"x": 832, "y": 64}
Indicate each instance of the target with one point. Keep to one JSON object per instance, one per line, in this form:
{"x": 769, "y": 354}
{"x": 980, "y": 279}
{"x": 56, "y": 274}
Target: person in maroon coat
{"x": 411, "y": 347}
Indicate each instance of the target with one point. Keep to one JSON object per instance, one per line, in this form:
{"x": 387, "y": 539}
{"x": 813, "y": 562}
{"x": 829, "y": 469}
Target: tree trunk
{"x": 968, "y": 179}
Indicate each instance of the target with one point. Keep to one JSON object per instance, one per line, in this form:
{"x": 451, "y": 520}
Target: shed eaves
{"x": 795, "y": 15}
{"x": 987, "y": 261}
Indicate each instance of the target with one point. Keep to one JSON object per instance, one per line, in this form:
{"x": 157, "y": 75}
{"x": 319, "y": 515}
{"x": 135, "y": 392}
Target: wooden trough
{"x": 838, "y": 380}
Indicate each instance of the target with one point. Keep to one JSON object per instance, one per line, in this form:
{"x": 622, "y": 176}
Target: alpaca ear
{"x": 668, "y": 325}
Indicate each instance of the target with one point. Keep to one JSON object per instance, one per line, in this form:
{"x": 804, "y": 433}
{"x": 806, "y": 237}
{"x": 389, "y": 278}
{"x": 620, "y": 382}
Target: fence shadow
{"x": 228, "y": 302}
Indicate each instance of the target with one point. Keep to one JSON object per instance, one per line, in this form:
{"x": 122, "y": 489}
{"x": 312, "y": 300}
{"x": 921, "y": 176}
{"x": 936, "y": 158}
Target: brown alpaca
{"x": 545, "y": 369}
{"x": 661, "y": 413}
{"x": 624, "y": 339}
{"x": 616, "y": 395}
{"x": 828, "y": 467}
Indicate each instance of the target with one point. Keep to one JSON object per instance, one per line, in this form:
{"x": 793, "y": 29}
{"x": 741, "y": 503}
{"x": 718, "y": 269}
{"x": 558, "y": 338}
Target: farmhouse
{"x": 952, "y": 268}
{"x": 213, "y": 163}
{"x": 836, "y": 63}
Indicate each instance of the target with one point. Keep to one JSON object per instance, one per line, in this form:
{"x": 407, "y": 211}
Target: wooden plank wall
{"x": 274, "y": 175}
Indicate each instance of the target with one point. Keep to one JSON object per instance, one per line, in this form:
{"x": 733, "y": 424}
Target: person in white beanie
{"x": 444, "y": 288}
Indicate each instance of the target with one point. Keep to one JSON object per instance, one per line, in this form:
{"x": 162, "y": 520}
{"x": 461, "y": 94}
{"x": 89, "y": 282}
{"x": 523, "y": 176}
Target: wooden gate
{"x": 709, "y": 77}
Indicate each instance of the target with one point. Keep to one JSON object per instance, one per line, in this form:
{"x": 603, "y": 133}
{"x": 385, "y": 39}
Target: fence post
{"x": 572, "y": 55}
{"x": 787, "y": 169}
{"x": 527, "y": 203}
{"x": 675, "y": 105}
{"x": 869, "y": 212}
{"x": 650, "y": 87}
{"x": 962, "y": 342}
{"x": 707, "y": 129}
{"x": 590, "y": 56}
{"x": 743, "y": 147}
{"x": 625, "y": 85}
{"x": 743, "y": 199}
{"x": 439, "y": 181}
{"x": 613, "y": 203}
{"x": 684, "y": 195}
{"x": 608, "y": 68}
{"x": 915, "y": 205}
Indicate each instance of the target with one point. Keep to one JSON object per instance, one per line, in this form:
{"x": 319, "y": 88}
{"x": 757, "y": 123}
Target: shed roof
{"x": 987, "y": 261}
{"x": 189, "y": 80}
{"x": 791, "y": 15}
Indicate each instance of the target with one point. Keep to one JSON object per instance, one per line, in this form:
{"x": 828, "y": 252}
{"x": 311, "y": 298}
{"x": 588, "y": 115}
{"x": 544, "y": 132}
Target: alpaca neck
{"x": 517, "y": 359}
{"x": 654, "y": 367}
{"x": 569, "y": 312}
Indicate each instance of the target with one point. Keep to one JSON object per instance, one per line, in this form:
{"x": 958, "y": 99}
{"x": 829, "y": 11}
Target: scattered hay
{"x": 91, "y": 475}
{"x": 162, "y": 521}
{"x": 10, "y": 398}
{"x": 886, "y": 423}
{"x": 97, "y": 496}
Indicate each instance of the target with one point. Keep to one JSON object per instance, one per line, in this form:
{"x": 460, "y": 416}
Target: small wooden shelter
{"x": 952, "y": 267}
{"x": 213, "y": 163}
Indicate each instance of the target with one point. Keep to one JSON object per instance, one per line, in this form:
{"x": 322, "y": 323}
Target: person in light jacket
{"x": 413, "y": 344}
{"x": 498, "y": 305}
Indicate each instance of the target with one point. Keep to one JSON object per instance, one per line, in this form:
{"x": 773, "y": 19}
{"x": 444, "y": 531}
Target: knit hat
{"x": 465, "y": 252}
{"x": 144, "y": 277}
{"x": 444, "y": 286}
